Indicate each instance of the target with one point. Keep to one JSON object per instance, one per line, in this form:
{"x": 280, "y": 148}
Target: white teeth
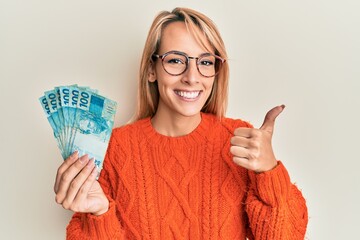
{"x": 189, "y": 95}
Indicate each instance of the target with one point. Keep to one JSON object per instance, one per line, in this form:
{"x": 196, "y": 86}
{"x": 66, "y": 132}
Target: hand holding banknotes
{"x": 82, "y": 122}
{"x": 81, "y": 119}
{"x": 76, "y": 186}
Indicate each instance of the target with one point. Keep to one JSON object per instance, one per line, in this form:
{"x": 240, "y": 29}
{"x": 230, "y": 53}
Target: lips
{"x": 187, "y": 94}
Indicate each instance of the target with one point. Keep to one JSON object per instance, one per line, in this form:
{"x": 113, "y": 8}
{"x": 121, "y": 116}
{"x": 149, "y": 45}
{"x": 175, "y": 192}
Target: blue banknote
{"x": 45, "y": 105}
{"x": 93, "y": 125}
{"x": 64, "y": 99}
{"x": 52, "y": 99}
{"x": 81, "y": 120}
{"x": 74, "y": 92}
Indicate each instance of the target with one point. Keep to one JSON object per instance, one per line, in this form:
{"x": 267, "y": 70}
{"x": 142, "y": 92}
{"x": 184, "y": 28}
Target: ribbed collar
{"x": 197, "y": 136}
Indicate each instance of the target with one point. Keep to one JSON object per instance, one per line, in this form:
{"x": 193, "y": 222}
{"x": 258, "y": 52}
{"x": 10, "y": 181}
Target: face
{"x": 185, "y": 94}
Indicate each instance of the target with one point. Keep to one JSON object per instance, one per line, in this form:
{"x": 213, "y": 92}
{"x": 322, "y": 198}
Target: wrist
{"x": 103, "y": 210}
{"x": 270, "y": 167}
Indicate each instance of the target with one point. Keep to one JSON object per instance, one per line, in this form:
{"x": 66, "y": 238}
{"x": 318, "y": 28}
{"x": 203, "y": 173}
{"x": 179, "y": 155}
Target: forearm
{"x": 88, "y": 226}
{"x": 276, "y": 208}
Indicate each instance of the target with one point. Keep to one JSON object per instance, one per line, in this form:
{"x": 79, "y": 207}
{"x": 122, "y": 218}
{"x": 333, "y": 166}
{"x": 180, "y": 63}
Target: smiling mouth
{"x": 188, "y": 95}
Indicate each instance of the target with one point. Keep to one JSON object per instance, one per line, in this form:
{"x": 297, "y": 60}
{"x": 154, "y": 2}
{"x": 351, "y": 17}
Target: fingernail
{"x": 91, "y": 162}
{"x": 74, "y": 154}
{"x": 83, "y": 159}
{"x": 95, "y": 172}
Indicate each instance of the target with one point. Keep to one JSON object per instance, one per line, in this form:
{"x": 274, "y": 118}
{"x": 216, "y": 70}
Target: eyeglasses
{"x": 176, "y": 63}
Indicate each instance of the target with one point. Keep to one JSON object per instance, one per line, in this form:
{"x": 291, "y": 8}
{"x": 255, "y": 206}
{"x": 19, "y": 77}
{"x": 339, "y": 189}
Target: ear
{"x": 152, "y": 74}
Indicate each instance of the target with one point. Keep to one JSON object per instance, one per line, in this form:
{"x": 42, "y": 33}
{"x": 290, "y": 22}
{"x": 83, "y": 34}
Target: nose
{"x": 192, "y": 74}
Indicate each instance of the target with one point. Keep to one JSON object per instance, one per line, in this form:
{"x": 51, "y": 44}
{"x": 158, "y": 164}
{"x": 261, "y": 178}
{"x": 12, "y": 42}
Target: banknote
{"x": 93, "y": 125}
{"x": 81, "y": 119}
{"x": 52, "y": 102}
{"x": 65, "y": 99}
{"x": 71, "y": 110}
{"x": 45, "y": 105}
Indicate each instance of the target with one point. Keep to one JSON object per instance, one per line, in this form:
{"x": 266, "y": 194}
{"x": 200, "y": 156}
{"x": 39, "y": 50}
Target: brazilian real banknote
{"x": 81, "y": 119}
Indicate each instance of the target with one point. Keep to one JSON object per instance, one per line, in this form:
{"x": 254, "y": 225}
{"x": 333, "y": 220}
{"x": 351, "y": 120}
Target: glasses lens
{"x": 209, "y": 65}
{"x": 174, "y": 63}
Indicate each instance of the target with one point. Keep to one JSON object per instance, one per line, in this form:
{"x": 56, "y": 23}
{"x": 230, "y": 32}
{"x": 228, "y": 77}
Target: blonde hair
{"x": 148, "y": 94}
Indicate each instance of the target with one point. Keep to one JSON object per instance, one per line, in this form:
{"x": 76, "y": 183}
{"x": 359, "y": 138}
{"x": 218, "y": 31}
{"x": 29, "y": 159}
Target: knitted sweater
{"x": 188, "y": 187}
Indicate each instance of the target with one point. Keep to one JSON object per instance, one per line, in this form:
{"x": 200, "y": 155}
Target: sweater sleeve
{"x": 88, "y": 226}
{"x": 107, "y": 225}
{"x": 275, "y": 207}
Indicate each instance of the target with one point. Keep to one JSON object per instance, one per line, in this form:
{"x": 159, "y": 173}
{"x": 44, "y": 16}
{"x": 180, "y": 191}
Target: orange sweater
{"x": 188, "y": 187}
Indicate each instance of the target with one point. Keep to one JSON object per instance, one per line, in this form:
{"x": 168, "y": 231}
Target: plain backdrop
{"x": 304, "y": 54}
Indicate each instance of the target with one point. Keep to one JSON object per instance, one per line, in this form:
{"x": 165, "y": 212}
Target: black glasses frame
{"x": 162, "y": 57}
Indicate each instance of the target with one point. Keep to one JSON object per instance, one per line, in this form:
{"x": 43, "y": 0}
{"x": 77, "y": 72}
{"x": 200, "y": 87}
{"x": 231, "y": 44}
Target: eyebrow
{"x": 180, "y": 52}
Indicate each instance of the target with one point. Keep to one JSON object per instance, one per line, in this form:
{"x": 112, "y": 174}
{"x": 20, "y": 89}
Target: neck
{"x": 175, "y": 126}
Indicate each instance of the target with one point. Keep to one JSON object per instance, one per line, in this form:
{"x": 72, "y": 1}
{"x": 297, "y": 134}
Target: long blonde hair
{"x": 148, "y": 94}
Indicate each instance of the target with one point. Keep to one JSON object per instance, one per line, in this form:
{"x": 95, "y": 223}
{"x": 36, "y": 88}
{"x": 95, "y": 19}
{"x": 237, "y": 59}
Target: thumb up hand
{"x": 252, "y": 148}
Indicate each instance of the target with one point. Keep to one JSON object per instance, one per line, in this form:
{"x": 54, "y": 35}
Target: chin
{"x": 190, "y": 112}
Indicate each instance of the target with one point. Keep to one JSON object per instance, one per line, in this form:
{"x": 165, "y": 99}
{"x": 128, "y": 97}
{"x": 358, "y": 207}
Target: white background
{"x": 304, "y": 54}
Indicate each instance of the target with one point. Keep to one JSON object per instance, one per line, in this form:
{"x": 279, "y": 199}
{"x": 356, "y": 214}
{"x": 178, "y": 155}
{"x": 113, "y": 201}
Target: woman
{"x": 182, "y": 170}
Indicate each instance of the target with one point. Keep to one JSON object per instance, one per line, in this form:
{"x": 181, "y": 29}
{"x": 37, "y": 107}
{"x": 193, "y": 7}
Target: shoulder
{"x": 226, "y": 123}
{"x": 127, "y": 132}
{"x": 234, "y": 123}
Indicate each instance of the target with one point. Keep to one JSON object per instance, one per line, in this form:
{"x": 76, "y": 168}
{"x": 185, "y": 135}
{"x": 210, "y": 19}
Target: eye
{"x": 174, "y": 61}
{"x": 206, "y": 62}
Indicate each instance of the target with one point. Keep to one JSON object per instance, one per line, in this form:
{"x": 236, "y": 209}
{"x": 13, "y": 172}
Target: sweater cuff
{"x": 272, "y": 187}
{"x": 105, "y": 225}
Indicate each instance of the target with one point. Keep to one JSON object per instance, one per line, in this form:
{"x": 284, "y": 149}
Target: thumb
{"x": 269, "y": 121}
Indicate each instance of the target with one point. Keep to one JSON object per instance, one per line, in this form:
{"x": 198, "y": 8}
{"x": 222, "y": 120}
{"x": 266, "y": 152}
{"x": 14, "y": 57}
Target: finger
{"x": 243, "y": 132}
{"x": 243, "y": 142}
{"x": 239, "y": 152}
{"x": 84, "y": 190}
{"x": 269, "y": 121}
{"x": 77, "y": 183}
{"x": 248, "y": 164}
{"x": 68, "y": 176}
{"x": 243, "y": 162}
{"x": 250, "y": 153}
{"x": 63, "y": 167}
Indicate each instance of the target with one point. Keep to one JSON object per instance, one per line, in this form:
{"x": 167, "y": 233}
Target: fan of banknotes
{"x": 81, "y": 120}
